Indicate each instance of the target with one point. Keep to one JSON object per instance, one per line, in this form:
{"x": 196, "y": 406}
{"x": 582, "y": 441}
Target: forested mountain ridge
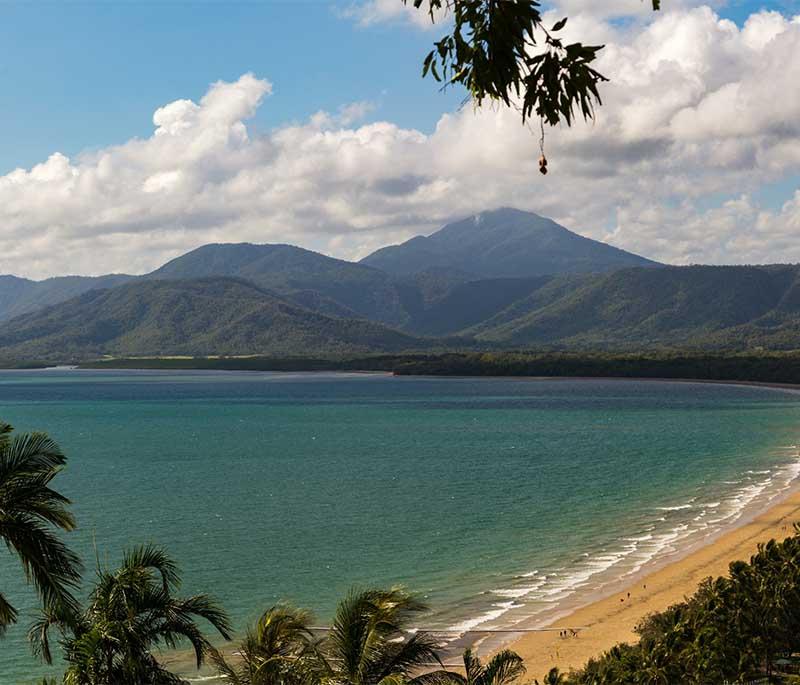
{"x": 22, "y": 295}
{"x": 692, "y": 306}
{"x": 236, "y": 299}
{"x": 334, "y": 286}
{"x": 190, "y": 317}
{"x": 503, "y": 243}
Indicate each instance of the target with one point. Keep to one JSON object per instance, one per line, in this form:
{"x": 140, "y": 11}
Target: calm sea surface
{"x": 501, "y": 501}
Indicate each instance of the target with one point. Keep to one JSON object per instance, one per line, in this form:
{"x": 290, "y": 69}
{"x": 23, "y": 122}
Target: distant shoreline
{"x": 768, "y": 369}
{"x": 366, "y": 372}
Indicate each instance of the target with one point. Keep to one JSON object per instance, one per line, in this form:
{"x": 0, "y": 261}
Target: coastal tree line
{"x": 733, "y": 629}
{"x": 762, "y": 367}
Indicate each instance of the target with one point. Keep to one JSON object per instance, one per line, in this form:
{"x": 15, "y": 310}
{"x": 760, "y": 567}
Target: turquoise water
{"x": 500, "y": 500}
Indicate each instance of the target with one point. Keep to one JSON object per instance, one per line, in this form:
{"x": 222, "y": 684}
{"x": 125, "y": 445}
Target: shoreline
{"x": 386, "y": 373}
{"x": 604, "y": 621}
{"x": 601, "y": 619}
{"x": 611, "y": 619}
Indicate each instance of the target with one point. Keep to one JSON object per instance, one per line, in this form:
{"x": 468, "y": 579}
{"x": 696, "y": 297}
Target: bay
{"x": 500, "y": 501}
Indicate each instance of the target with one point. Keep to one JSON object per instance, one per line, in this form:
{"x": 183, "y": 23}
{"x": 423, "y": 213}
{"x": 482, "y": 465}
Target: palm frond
{"x": 52, "y": 567}
{"x": 150, "y": 557}
{"x": 472, "y": 665}
{"x": 503, "y": 668}
{"x": 205, "y": 607}
{"x": 224, "y": 669}
{"x": 59, "y": 617}
{"x": 8, "y": 614}
{"x": 408, "y": 655}
{"x": 28, "y": 454}
{"x": 441, "y": 677}
{"x": 394, "y": 680}
{"x": 28, "y": 510}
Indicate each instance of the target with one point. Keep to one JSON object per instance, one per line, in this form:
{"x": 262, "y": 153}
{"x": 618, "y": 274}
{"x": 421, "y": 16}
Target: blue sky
{"x": 87, "y": 75}
{"x": 684, "y": 164}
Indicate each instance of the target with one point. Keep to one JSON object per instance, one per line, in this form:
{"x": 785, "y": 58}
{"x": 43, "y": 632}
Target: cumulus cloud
{"x": 698, "y": 116}
{"x": 369, "y": 12}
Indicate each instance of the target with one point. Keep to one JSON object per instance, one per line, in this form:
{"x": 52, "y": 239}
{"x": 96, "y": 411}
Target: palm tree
{"x": 130, "y": 613}
{"x": 368, "y": 643}
{"x": 29, "y": 510}
{"x": 278, "y": 650}
{"x": 502, "y": 669}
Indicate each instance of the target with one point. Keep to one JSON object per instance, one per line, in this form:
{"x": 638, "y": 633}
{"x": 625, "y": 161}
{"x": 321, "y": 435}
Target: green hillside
{"x": 431, "y": 294}
{"x": 334, "y": 286}
{"x": 467, "y": 304}
{"x": 243, "y": 299}
{"x": 696, "y": 306}
{"x": 22, "y": 295}
{"x": 197, "y": 317}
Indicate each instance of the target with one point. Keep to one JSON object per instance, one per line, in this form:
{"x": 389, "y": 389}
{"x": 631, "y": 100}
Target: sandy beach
{"x": 611, "y": 620}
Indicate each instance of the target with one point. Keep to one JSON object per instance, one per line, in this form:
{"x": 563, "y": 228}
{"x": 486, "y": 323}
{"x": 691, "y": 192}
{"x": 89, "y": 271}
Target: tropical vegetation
{"x": 733, "y": 629}
{"x": 772, "y": 367}
{"x": 279, "y": 648}
{"x": 371, "y": 641}
{"x": 31, "y": 513}
{"x": 503, "y": 668}
{"x": 130, "y": 613}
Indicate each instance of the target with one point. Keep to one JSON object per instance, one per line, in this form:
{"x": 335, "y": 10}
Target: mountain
{"x": 193, "y": 317}
{"x": 710, "y": 307}
{"x": 331, "y": 286}
{"x": 464, "y": 305}
{"x": 500, "y": 244}
{"x": 504, "y": 243}
{"x": 21, "y": 295}
{"x": 504, "y": 279}
{"x": 693, "y": 306}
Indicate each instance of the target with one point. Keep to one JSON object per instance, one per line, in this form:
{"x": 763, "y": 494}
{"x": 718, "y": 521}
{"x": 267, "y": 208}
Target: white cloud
{"x": 698, "y": 111}
{"x": 369, "y": 12}
{"x": 610, "y": 9}
{"x": 737, "y": 227}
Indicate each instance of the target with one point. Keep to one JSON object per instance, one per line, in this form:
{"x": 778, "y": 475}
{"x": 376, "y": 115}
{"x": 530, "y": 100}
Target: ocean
{"x": 501, "y": 502}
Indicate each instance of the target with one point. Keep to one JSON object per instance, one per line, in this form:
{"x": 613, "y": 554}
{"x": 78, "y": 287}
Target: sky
{"x": 131, "y": 132}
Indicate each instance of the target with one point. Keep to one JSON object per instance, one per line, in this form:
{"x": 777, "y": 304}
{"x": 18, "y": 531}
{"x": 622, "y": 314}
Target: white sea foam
{"x": 517, "y": 592}
{"x": 629, "y": 555}
{"x": 496, "y": 612}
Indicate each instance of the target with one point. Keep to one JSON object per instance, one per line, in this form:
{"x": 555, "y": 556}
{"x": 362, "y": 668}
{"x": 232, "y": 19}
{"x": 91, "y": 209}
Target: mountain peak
{"x": 504, "y": 242}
